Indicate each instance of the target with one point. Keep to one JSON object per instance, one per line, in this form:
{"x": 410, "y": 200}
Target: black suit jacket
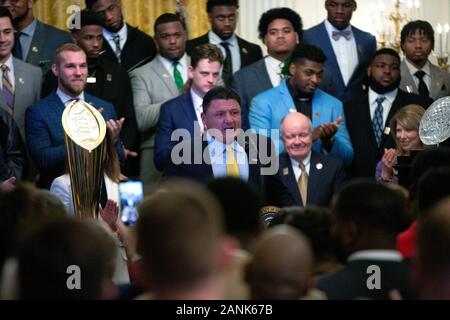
{"x": 326, "y": 177}
{"x": 270, "y": 186}
{"x": 351, "y": 281}
{"x": 249, "y": 52}
{"x": 138, "y": 50}
{"x": 359, "y": 125}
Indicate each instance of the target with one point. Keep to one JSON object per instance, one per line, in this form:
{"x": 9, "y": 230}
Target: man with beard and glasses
{"x": 43, "y": 126}
{"x": 369, "y": 116}
{"x": 35, "y": 42}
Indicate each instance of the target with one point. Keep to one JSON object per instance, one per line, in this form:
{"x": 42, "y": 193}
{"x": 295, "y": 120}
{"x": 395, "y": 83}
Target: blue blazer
{"x": 268, "y": 109}
{"x": 45, "y": 135}
{"x": 177, "y": 113}
{"x": 366, "y": 46}
{"x": 324, "y": 180}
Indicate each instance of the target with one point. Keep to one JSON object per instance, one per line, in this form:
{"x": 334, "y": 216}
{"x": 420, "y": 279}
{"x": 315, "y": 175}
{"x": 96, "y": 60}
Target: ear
{"x": 292, "y": 69}
{"x": 55, "y": 69}
{"x": 297, "y": 39}
{"x": 210, "y": 18}
{"x": 203, "y": 116}
{"x": 227, "y": 245}
{"x": 355, "y": 5}
{"x": 369, "y": 71}
{"x": 74, "y": 37}
{"x": 191, "y": 72}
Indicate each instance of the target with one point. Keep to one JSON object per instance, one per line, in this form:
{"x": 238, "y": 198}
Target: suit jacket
{"x": 45, "y": 135}
{"x": 359, "y": 123}
{"x": 46, "y": 40}
{"x": 326, "y": 177}
{"x": 178, "y": 113}
{"x": 268, "y": 109}
{"x": 249, "y": 52}
{"x": 366, "y": 46}
{"x": 270, "y": 186}
{"x": 27, "y": 91}
{"x": 350, "y": 282}
{"x": 137, "y": 51}
{"x": 440, "y": 81}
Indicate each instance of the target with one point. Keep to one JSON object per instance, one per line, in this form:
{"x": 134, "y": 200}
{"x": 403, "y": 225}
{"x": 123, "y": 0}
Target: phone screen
{"x": 131, "y": 194}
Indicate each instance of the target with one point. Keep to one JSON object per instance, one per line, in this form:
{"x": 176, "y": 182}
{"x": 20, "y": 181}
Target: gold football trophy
{"x": 85, "y": 131}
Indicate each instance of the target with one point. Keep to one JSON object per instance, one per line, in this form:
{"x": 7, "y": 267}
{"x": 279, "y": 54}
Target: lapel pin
{"x": 21, "y": 80}
{"x": 34, "y": 49}
{"x": 108, "y": 77}
{"x": 285, "y": 171}
{"x": 244, "y": 50}
{"x": 91, "y": 80}
{"x": 387, "y": 130}
{"x": 319, "y": 166}
{"x": 409, "y": 89}
{"x": 292, "y": 110}
{"x": 165, "y": 75}
{"x": 316, "y": 115}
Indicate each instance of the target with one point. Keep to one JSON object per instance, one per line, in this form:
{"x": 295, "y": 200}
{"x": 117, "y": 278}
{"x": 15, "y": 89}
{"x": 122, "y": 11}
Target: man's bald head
{"x": 282, "y": 265}
{"x": 296, "y": 133}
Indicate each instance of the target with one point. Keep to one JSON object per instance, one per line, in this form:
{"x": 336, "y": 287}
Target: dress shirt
{"x": 26, "y": 37}
{"x": 273, "y": 67}
{"x": 385, "y": 255}
{"x": 296, "y": 166}
{"x": 109, "y": 36}
{"x": 233, "y": 46}
{"x": 387, "y": 103}
{"x": 65, "y": 98}
{"x": 426, "y": 78}
{"x": 9, "y": 63}
{"x": 197, "y": 101}
{"x": 182, "y": 66}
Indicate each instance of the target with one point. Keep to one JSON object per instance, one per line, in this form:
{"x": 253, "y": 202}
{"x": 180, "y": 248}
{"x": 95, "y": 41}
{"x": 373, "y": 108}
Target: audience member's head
{"x": 110, "y": 11}
{"x": 282, "y": 265}
{"x": 223, "y": 16}
{"x": 417, "y": 41}
{"x": 89, "y": 36}
{"x": 67, "y": 259}
{"x": 384, "y": 71}
{"x": 296, "y": 134}
{"x": 340, "y": 12}
{"x": 7, "y": 31}
{"x": 432, "y": 187}
{"x": 21, "y": 12}
{"x": 170, "y": 36}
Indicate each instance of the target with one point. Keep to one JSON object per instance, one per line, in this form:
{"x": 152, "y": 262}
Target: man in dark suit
{"x": 36, "y": 42}
{"x": 106, "y": 80}
{"x": 368, "y": 216}
{"x": 43, "y": 127}
{"x": 281, "y": 30}
{"x": 225, "y": 151}
{"x": 368, "y": 117}
{"x": 184, "y": 111}
{"x": 347, "y": 48}
{"x": 238, "y": 53}
{"x": 323, "y": 175}
{"x": 124, "y": 44}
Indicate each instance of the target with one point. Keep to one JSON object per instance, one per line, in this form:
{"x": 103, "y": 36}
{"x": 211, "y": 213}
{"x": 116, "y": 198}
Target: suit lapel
{"x": 437, "y": 81}
{"x": 407, "y": 79}
{"x": 35, "y": 46}
{"x": 243, "y": 52}
{"x": 367, "y": 119}
{"x": 20, "y": 89}
{"x": 288, "y": 177}
{"x": 164, "y": 75}
{"x": 189, "y": 110}
{"x": 315, "y": 172}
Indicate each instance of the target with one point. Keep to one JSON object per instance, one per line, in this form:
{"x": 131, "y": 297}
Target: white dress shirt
{"x": 296, "y": 166}
{"x": 274, "y": 67}
{"x": 123, "y": 34}
{"x": 385, "y": 255}
{"x": 233, "y": 46}
{"x": 197, "y": 101}
{"x": 426, "y": 78}
{"x": 345, "y": 51}
{"x": 387, "y": 103}
{"x": 9, "y": 63}
{"x": 182, "y": 66}
{"x": 66, "y": 98}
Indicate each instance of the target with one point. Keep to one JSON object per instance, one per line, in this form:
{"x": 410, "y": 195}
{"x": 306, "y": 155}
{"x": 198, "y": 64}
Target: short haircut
{"x": 4, "y": 13}
{"x": 432, "y": 187}
{"x": 71, "y": 47}
{"x": 280, "y": 13}
{"x": 308, "y": 52}
{"x": 90, "y": 3}
{"x": 213, "y": 3}
{"x": 387, "y": 51}
{"x": 371, "y": 206}
{"x": 179, "y": 229}
{"x": 207, "y": 51}
{"x": 167, "y": 18}
{"x": 219, "y": 93}
{"x": 409, "y": 118}
{"x": 411, "y": 27}
{"x": 426, "y": 159}
{"x": 88, "y": 18}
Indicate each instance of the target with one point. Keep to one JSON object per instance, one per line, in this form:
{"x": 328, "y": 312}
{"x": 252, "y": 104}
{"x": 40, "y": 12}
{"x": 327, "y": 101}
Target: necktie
{"x": 377, "y": 121}
{"x": 423, "y": 89}
{"x": 116, "y": 39}
{"x": 303, "y": 183}
{"x": 227, "y": 72}
{"x": 8, "y": 90}
{"x": 177, "y": 76}
{"x": 17, "y": 49}
{"x": 336, "y": 35}
{"x": 232, "y": 165}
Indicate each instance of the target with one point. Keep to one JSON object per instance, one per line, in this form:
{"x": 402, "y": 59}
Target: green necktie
{"x": 177, "y": 76}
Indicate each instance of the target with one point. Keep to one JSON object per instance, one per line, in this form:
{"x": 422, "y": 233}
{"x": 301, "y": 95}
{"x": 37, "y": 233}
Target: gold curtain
{"x": 141, "y": 13}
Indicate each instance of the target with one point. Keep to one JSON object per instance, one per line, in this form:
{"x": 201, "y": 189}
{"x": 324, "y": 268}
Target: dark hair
{"x": 432, "y": 187}
{"x": 280, "y": 13}
{"x": 411, "y": 27}
{"x": 219, "y": 93}
{"x": 167, "y": 18}
{"x": 4, "y": 13}
{"x": 371, "y": 205}
{"x": 212, "y": 3}
{"x": 90, "y": 3}
{"x": 88, "y": 18}
{"x": 426, "y": 159}
{"x": 308, "y": 52}
{"x": 387, "y": 51}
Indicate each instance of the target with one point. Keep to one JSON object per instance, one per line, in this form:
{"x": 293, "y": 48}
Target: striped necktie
{"x": 118, "y": 51}
{"x": 8, "y": 89}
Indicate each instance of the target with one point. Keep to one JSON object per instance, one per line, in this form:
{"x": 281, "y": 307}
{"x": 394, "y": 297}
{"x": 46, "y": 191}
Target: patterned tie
{"x": 177, "y": 76}
{"x": 232, "y": 165}
{"x": 227, "y": 72}
{"x": 336, "y": 35}
{"x": 303, "y": 183}
{"x": 8, "y": 90}
{"x": 423, "y": 89}
{"x": 377, "y": 121}
{"x": 118, "y": 52}
{"x": 17, "y": 49}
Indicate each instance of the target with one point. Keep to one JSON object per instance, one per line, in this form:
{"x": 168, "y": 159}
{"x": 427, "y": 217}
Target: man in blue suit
{"x": 324, "y": 175}
{"x": 184, "y": 111}
{"x": 43, "y": 126}
{"x": 347, "y": 48}
{"x": 300, "y": 93}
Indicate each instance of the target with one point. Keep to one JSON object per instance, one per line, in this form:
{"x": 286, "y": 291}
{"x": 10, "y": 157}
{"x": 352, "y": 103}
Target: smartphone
{"x": 131, "y": 194}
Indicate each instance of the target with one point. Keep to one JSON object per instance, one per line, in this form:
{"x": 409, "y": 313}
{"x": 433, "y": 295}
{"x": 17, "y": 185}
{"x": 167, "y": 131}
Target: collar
{"x": 385, "y": 255}
{"x": 274, "y": 63}
{"x": 412, "y": 69}
{"x": 9, "y": 63}
{"x": 122, "y": 33}
{"x": 196, "y": 100}
{"x": 390, "y": 96}
{"x": 215, "y": 39}
{"x": 182, "y": 61}
{"x": 219, "y": 145}
{"x": 65, "y": 98}
{"x": 29, "y": 29}
{"x": 330, "y": 28}
{"x": 305, "y": 161}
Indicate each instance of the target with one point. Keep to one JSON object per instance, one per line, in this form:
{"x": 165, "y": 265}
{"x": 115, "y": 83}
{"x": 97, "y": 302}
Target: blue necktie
{"x": 377, "y": 120}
